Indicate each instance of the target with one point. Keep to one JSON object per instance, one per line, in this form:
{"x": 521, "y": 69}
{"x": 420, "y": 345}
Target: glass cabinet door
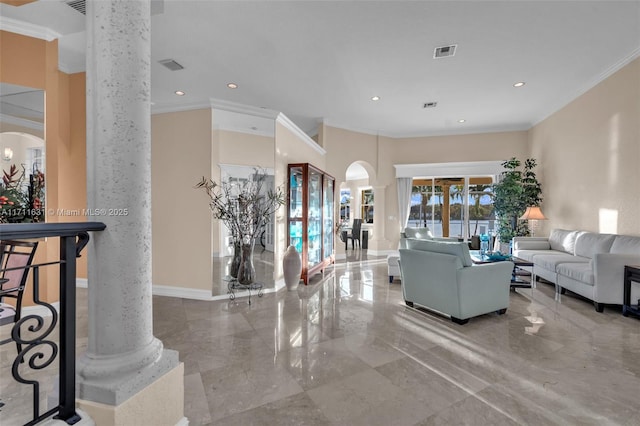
{"x": 328, "y": 226}
{"x": 314, "y": 224}
{"x": 295, "y": 208}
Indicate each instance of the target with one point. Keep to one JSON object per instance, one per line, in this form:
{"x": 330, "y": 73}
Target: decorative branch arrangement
{"x": 20, "y": 201}
{"x": 245, "y": 207}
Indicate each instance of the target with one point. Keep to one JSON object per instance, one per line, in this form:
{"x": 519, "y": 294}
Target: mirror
{"x": 22, "y": 154}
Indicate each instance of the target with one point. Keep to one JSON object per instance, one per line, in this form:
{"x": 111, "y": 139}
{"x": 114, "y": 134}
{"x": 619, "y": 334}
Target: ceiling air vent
{"x": 429, "y": 105}
{"x": 171, "y": 64}
{"x": 79, "y": 5}
{"x": 444, "y": 51}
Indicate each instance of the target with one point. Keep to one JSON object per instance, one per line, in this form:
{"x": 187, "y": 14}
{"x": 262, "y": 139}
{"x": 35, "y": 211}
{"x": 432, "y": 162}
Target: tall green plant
{"x": 517, "y": 190}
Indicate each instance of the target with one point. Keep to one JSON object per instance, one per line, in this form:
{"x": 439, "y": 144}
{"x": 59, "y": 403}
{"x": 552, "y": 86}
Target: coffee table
{"x": 518, "y": 274}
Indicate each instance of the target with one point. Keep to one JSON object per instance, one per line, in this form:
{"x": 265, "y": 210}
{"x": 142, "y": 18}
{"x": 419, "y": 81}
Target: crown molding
{"x": 179, "y": 107}
{"x": 593, "y": 83}
{"x": 291, "y": 126}
{"x": 72, "y": 68}
{"x": 243, "y": 109}
{"x": 21, "y": 122}
{"x": 27, "y": 29}
{"x": 245, "y": 131}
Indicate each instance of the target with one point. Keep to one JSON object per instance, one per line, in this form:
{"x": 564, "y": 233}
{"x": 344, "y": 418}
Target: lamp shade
{"x": 533, "y": 213}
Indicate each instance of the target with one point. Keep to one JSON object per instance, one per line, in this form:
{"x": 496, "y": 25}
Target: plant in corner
{"x": 245, "y": 207}
{"x": 516, "y": 190}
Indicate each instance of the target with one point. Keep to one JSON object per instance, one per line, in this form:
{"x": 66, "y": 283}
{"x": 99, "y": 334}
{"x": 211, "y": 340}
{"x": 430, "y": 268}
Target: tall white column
{"x": 123, "y": 356}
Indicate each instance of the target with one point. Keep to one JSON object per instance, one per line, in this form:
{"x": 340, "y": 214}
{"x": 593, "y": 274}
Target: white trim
{"x": 340, "y": 256}
{"x": 243, "y": 109}
{"x": 39, "y": 310}
{"x": 181, "y": 292}
{"x": 174, "y": 107}
{"x": 291, "y": 126}
{"x": 28, "y": 29}
{"x": 427, "y": 170}
{"x": 82, "y": 283}
{"x": 593, "y": 83}
{"x": 72, "y": 68}
{"x": 29, "y": 124}
{"x": 183, "y": 422}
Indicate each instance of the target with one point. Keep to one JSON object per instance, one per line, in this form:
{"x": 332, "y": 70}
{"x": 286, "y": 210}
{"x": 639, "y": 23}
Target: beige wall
{"x": 33, "y": 63}
{"x": 245, "y": 149}
{"x": 382, "y": 153}
{"x": 589, "y": 156}
{"x": 182, "y": 224}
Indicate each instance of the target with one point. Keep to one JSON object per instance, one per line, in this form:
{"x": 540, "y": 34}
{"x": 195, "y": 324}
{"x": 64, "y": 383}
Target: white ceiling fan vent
{"x": 429, "y": 105}
{"x": 79, "y": 5}
{"x": 171, "y": 64}
{"x": 444, "y": 51}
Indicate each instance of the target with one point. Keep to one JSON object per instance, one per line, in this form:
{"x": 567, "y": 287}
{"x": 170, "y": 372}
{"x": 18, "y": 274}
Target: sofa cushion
{"x": 589, "y": 243}
{"x": 563, "y": 240}
{"x": 530, "y": 254}
{"x": 582, "y": 272}
{"x": 461, "y": 250}
{"x": 419, "y": 233}
{"x": 532, "y": 245}
{"x": 551, "y": 261}
{"x": 625, "y": 244}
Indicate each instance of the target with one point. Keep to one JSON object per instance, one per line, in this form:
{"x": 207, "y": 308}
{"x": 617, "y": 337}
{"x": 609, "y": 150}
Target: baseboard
{"x": 183, "y": 422}
{"x": 341, "y": 256}
{"x": 82, "y": 283}
{"x": 182, "y": 292}
{"x": 381, "y": 252}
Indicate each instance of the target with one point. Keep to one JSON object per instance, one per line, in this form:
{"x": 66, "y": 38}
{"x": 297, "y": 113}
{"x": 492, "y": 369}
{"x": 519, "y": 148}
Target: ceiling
{"x": 321, "y": 61}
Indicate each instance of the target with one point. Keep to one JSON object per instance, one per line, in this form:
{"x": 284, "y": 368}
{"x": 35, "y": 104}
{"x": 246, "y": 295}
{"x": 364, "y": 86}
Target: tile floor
{"x": 345, "y": 350}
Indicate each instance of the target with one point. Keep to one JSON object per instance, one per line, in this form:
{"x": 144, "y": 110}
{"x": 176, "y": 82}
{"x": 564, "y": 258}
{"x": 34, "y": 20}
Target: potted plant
{"x": 516, "y": 190}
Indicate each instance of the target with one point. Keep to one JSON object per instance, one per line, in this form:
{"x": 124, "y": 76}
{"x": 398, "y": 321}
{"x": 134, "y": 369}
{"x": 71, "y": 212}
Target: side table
{"x": 631, "y": 274}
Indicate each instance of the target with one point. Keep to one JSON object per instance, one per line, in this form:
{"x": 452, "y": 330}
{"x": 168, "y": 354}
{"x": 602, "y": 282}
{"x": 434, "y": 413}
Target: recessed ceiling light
{"x": 462, "y": 120}
{"x": 375, "y": 98}
{"x": 179, "y": 93}
{"x": 519, "y": 84}
{"x": 232, "y": 86}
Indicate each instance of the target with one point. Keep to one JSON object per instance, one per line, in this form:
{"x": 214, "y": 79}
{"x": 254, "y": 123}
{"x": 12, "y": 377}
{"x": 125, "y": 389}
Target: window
{"x": 441, "y": 205}
{"x": 345, "y": 205}
{"x": 367, "y": 206}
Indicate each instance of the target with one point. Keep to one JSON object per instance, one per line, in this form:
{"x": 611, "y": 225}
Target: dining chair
{"x": 355, "y": 233}
{"x": 15, "y": 259}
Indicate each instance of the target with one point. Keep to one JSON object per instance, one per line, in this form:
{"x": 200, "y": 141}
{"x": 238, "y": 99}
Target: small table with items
{"x": 631, "y": 274}
{"x": 518, "y": 273}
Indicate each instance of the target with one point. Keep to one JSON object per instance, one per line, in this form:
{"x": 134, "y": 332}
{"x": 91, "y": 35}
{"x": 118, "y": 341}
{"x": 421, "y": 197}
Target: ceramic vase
{"x": 292, "y": 268}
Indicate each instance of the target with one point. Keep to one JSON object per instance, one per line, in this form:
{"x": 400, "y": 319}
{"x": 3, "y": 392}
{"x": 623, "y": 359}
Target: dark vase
{"x": 237, "y": 258}
{"x": 247, "y": 272}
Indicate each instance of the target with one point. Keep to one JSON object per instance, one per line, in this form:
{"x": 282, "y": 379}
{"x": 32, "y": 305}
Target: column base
{"x": 159, "y": 403}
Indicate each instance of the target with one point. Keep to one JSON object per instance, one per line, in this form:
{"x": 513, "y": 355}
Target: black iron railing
{"x": 73, "y": 238}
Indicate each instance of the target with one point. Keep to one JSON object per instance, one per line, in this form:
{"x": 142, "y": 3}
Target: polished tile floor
{"x": 345, "y": 350}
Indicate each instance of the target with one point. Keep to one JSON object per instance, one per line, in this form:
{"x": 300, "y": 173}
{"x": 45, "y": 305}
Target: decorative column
{"x": 123, "y": 357}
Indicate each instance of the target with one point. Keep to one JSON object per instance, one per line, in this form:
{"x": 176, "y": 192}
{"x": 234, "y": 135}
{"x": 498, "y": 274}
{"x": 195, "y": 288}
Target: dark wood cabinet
{"x": 310, "y": 217}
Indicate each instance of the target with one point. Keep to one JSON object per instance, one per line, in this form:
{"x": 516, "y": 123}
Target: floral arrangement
{"x": 21, "y": 201}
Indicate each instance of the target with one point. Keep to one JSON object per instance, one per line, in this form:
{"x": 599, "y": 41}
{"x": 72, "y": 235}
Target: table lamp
{"x": 533, "y": 214}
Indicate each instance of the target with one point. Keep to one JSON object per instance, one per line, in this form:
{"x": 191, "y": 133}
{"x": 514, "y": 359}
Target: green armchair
{"x": 441, "y": 277}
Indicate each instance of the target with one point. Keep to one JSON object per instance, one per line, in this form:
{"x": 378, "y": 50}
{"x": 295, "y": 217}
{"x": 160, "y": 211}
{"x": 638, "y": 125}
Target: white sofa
{"x": 586, "y": 263}
{"x": 441, "y": 276}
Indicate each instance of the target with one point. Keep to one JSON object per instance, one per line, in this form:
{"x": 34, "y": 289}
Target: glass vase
{"x": 237, "y": 258}
{"x": 247, "y": 272}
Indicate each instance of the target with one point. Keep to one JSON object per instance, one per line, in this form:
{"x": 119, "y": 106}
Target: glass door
{"x": 314, "y": 224}
{"x": 295, "y": 208}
